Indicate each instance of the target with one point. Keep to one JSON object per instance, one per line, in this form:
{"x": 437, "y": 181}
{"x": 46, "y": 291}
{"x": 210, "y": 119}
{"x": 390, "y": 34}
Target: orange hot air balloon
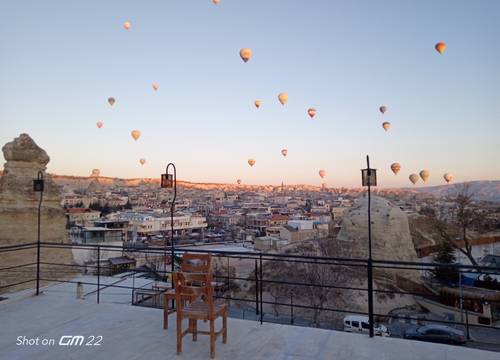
{"x": 284, "y": 152}
{"x": 311, "y": 112}
{"x": 283, "y": 98}
{"x": 99, "y": 124}
{"x": 382, "y": 109}
{"x": 395, "y": 167}
{"x": 386, "y": 125}
{"x": 322, "y": 173}
{"x": 251, "y": 162}
{"x": 96, "y": 172}
{"x": 126, "y": 25}
{"x": 413, "y": 178}
{"x": 245, "y": 54}
{"x": 142, "y": 161}
{"x": 257, "y": 103}
{"x": 238, "y": 181}
{"x": 136, "y": 134}
{"x": 111, "y": 101}
{"x": 448, "y": 177}
{"x": 156, "y": 86}
{"x": 424, "y": 174}
{"x": 440, "y": 47}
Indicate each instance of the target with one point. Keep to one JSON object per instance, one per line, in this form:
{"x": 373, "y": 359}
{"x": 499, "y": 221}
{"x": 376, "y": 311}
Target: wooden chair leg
{"x": 224, "y": 327}
{"x": 212, "y": 338}
{"x": 165, "y": 315}
{"x": 179, "y": 334}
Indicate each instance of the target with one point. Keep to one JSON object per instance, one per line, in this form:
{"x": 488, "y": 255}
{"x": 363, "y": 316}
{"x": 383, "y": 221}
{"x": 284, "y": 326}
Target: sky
{"x": 61, "y": 59}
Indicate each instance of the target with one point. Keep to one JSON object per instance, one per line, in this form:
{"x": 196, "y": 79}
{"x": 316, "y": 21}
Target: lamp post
{"x": 369, "y": 179}
{"x": 169, "y": 181}
{"x": 38, "y": 186}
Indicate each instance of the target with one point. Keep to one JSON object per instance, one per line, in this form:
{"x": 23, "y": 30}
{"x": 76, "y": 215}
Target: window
{"x": 355, "y": 324}
{"x": 365, "y": 325}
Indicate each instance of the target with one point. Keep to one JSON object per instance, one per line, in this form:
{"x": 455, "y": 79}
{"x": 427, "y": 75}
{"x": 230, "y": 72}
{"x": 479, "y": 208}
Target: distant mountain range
{"x": 485, "y": 190}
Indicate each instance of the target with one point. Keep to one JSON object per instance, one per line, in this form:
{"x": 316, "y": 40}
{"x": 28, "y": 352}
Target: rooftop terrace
{"x": 132, "y": 332}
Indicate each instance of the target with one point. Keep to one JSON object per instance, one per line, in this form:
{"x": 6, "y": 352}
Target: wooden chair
{"x": 204, "y": 307}
{"x": 191, "y": 263}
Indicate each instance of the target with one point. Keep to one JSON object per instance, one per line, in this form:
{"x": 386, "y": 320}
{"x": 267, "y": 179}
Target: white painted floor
{"x": 131, "y": 332}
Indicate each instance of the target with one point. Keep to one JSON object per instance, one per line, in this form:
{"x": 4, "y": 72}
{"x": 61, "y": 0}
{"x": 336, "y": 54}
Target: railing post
{"x": 256, "y": 289}
{"x": 260, "y": 289}
{"x": 291, "y": 308}
{"x": 370, "y": 296}
{"x": 98, "y": 271}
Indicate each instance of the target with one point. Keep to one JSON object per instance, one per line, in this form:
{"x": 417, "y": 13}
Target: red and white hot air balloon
{"x": 126, "y": 25}
{"x": 395, "y": 167}
{"x": 311, "y": 112}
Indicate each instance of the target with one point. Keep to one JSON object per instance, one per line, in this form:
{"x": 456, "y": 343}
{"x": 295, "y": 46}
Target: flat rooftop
{"x": 132, "y": 332}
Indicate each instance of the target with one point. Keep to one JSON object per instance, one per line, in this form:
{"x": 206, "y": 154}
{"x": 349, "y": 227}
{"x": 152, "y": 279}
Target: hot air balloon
{"x": 424, "y": 174}
{"x": 238, "y": 181}
{"x": 216, "y": 1}
{"x": 251, "y": 162}
{"x": 245, "y": 54}
{"x": 448, "y": 177}
{"x": 283, "y": 98}
{"x": 440, "y": 47}
{"x": 156, "y": 86}
{"x": 258, "y": 103}
{"x": 111, "y": 101}
{"x": 96, "y": 172}
{"x": 99, "y": 124}
{"x": 413, "y": 178}
{"x": 322, "y": 173}
{"x": 386, "y": 125}
{"x": 311, "y": 112}
{"x": 284, "y": 152}
{"x": 395, "y": 167}
{"x": 136, "y": 134}
{"x": 142, "y": 161}
{"x": 126, "y": 25}
{"x": 382, "y": 109}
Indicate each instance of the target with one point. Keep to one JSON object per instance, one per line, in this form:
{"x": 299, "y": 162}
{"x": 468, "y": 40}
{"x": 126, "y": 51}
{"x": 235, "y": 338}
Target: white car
{"x": 360, "y": 324}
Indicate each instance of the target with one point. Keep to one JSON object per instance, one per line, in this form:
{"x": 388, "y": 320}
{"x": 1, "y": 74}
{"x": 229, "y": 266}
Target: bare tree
{"x": 465, "y": 215}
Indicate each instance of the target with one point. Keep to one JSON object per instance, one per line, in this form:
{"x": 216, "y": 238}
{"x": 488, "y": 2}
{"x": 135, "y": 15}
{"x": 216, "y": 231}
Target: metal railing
{"x": 260, "y": 276}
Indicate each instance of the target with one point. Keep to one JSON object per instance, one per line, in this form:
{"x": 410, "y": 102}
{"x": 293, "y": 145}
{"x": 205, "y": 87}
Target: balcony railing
{"x": 260, "y": 277}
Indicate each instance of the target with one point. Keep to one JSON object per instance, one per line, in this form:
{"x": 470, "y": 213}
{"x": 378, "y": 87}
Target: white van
{"x": 360, "y": 324}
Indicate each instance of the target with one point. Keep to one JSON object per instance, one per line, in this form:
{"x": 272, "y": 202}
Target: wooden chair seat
{"x": 200, "y": 309}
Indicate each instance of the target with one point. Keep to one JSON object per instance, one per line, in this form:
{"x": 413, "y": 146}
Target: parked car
{"x": 360, "y": 324}
{"x": 436, "y": 333}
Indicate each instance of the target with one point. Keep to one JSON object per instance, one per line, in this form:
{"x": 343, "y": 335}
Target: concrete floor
{"x": 130, "y": 332}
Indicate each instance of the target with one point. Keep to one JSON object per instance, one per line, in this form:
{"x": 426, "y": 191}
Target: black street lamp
{"x": 169, "y": 181}
{"x": 38, "y": 186}
{"x": 369, "y": 178}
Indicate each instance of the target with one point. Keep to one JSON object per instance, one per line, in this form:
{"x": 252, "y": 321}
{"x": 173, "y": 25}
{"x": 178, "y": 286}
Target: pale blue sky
{"x": 61, "y": 59}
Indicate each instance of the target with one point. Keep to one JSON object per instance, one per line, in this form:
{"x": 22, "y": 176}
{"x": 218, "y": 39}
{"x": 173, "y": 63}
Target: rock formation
{"x": 19, "y": 212}
{"x": 391, "y": 240}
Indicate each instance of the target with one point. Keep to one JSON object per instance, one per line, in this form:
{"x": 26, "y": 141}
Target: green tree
{"x": 443, "y": 273}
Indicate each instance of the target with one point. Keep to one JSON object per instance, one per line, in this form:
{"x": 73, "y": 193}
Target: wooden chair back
{"x": 196, "y": 263}
{"x": 196, "y": 286}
